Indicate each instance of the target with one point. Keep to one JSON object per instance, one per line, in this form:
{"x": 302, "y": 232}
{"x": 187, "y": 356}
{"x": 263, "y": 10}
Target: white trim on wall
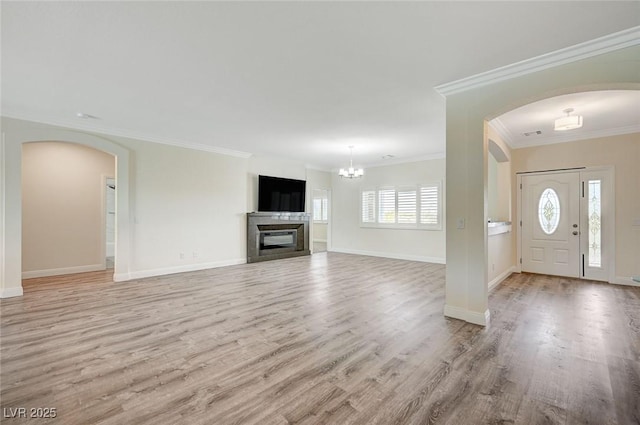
{"x": 62, "y": 270}
{"x": 140, "y": 274}
{"x": 608, "y": 43}
{"x": 502, "y": 276}
{"x": 625, "y": 280}
{"x": 474, "y": 317}
{"x": 409, "y": 257}
{"x": 11, "y": 292}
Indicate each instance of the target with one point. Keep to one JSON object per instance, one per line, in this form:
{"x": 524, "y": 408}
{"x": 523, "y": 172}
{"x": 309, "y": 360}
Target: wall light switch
{"x": 460, "y": 223}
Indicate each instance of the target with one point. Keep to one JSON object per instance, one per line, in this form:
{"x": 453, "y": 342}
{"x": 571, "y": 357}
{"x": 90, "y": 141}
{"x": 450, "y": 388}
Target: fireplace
{"x": 277, "y": 235}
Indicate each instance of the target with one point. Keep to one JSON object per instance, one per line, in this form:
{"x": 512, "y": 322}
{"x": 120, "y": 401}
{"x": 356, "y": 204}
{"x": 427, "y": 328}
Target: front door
{"x": 551, "y": 223}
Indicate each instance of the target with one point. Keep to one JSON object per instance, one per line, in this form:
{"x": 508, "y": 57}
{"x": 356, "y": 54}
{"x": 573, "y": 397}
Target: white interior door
{"x": 551, "y": 223}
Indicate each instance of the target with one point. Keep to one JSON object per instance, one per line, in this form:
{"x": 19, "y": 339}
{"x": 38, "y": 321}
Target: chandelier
{"x": 351, "y": 173}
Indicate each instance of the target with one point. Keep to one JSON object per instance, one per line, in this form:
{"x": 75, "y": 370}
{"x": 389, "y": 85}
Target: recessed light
{"x": 86, "y": 116}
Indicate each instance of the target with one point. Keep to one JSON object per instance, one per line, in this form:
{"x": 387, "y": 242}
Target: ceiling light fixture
{"x": 569, "y": 122}
{"x": 351, "y": 173}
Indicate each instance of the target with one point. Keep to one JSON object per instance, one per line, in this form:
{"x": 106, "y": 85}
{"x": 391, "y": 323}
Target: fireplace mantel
{"x": 275, "y": 235}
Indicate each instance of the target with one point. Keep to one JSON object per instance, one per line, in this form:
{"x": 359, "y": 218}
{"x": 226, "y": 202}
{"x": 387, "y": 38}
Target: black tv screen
{"x": 282, "y": 195}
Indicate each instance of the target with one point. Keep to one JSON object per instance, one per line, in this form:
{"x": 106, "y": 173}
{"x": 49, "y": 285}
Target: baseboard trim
{"x": 474, "y": 317}
{"x": 63, "y": 270}
{"x": 625, "y": 280}
{"x": 436, "y": 260}
{"x": 141, "y": 274}
{"x": 502, "y": 276}
{"x": 121, "y": 277}
{"x": 11, "y": 292}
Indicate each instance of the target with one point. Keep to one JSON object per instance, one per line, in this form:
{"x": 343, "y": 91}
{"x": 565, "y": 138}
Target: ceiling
{"x": 604, "y": 113}
{"x": 302, "y": 80}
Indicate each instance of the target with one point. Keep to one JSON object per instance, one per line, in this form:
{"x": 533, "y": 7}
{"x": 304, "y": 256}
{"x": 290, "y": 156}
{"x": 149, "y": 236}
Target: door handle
{"x": 575, "y": 226}
{"x": 575, "y": 232}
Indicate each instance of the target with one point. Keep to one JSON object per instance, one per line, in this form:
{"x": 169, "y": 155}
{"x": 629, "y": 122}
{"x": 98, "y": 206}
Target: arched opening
{"x": 600, "y": 157}
{"x": 468, "y": 113}
{"x": 68, "y": 209}
{"x": 16, "y": 133}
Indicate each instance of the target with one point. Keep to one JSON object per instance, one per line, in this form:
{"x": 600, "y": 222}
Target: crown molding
{"x": 104, "y": 131}
{"x": 387, "y": 162}
{"x": 502, "y": 131}
{"x": 594, "y": 134}
{"x": 608, "y": 43}
{"x": 317, "y": 168}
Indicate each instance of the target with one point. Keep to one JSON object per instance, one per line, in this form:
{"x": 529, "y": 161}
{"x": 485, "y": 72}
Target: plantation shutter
{"x": 386, "y": 206}
{"x": 407, "y": 206}
{"x": 369, "y": 206}
{"x": 429, "y": 205}
{"x": 317, "y": 209}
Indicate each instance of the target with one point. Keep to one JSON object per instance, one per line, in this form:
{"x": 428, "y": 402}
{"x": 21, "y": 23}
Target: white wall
{"x": 348, "y": 236}
{"x": 622, "y": 152}
{"x": 500, "y": 256}
{"x": 188, "y": 204}
{"x": 501, "y": 263}
{"x": 171, "y": 201}
{"x": 62, "y": 208}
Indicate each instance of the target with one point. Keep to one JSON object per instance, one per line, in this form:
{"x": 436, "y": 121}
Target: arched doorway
{"x": 17, "y": 132}
{"x": 65, "y": 208}
{"x": 468, "y": 112}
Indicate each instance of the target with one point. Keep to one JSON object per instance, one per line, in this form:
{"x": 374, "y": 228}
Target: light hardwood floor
{"x": 326, "y": 339}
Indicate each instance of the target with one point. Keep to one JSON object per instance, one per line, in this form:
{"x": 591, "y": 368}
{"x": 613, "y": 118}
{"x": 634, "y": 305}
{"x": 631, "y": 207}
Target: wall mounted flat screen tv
{"x": 279, "y": 194}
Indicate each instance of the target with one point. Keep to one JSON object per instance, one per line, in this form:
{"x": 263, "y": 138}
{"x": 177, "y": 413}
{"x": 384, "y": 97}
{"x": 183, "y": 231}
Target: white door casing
{"x": 580, "y": 240}
{"x": 551, "y": 224}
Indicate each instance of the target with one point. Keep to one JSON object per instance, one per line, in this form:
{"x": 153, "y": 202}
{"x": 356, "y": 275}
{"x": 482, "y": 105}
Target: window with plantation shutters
{"x": 320, "y": 205}
{"x": 407, "y": 206}
{"x": 403, "y": 207}
{"x": 386, "y": 206}
{"x": 369, "y": 206}
{"x": 430, "y": 205}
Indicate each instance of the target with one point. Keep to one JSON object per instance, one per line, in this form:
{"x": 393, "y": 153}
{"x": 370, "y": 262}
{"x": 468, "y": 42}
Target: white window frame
{"x": 402, "y": 188}
{"x": 324, "y": 207}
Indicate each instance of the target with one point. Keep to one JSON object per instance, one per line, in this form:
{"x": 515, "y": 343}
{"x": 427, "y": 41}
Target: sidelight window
{"x": 595, "y": 223}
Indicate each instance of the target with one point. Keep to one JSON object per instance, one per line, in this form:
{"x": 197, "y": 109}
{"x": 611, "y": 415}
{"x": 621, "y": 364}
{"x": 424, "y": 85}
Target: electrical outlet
{"x": 460, "y": 223}
{"x": 195, "y": 255}
{"x": 182, "y": 255}
{"x": 636, "y": 222}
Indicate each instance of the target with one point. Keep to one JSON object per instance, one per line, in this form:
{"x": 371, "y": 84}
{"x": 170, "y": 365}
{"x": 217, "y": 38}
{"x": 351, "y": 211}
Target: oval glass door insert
{"x": 549, "y": 211}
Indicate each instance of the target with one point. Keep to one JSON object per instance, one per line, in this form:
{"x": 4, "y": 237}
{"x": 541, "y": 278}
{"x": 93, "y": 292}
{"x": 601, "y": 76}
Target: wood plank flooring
{"x": 327, "y": 339}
